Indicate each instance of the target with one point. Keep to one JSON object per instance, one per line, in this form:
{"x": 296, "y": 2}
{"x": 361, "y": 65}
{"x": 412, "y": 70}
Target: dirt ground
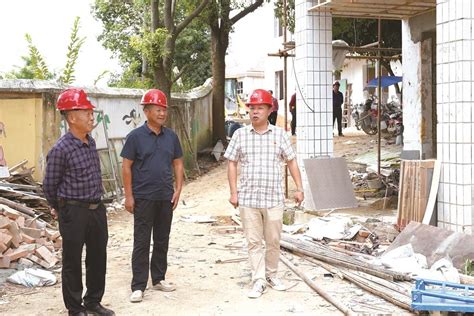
{"x": 204, "y": 286}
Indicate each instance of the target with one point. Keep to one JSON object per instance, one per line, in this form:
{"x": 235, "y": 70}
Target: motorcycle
{"x": 365, "y": 117}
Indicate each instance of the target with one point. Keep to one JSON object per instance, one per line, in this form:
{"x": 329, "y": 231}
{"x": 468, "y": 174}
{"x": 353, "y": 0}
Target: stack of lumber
{"x": 20, "y": 189}
{"x": 25, "y": 238}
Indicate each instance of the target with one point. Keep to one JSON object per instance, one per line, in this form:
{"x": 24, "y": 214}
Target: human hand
{"x": 299, "y": 197}
{"x": 54, "y": 213}
{"x": 175, "y": 199}
{"x": 234, "y": 200}
{"x": 130, "y": 204}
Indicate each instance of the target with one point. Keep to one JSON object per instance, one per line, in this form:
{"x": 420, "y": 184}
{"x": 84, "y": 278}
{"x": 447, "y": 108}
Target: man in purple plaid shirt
{"x": 73, "y": 188}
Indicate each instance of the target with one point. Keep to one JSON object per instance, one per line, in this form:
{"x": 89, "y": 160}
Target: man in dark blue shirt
{"x": 73, "y": 188}
{"x": 337, "y": 101}
{"x": 150, "y": 155}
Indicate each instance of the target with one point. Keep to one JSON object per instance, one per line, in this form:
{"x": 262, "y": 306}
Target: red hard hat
{"x": 156, "y": 97}
{"x": 73, "y": 99}
{"x": 260, "y": 96}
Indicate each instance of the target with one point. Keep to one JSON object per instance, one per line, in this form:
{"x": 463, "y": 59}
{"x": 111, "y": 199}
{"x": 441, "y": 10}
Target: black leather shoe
{"x": 99, "y": 310}
{"x": 81, "y": 313}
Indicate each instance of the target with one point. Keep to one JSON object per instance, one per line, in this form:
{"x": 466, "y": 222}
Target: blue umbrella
{"x": 384, "y": 82}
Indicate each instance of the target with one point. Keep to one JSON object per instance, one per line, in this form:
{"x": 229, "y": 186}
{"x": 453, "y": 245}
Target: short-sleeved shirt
{"x": 261, "y": 157}
{"x": 152, "y": 156}
{"x": 72, "y": 171}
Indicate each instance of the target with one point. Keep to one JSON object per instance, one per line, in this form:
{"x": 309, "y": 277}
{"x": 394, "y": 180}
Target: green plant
{"x": 73, "y": 49}
{"x": 468, "y": 267}
{"x": 38, "y": 63}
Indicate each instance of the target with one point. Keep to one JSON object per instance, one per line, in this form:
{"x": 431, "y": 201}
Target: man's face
{"x": 259, "y": 113}
{"x": 83, "y": 120}
{"x": 156, "y": 115}
{"x": 335, "y": 87}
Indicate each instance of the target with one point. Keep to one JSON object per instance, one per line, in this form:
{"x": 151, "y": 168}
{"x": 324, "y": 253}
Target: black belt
{"x": 88, "y": 205}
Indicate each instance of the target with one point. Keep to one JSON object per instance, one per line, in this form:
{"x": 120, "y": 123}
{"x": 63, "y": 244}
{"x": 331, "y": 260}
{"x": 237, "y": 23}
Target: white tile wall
{"x": 455, "y": 102}
{"x": 314, "y": 75}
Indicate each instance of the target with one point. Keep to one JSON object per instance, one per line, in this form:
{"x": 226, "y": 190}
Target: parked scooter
{"x": 365, "y": 117}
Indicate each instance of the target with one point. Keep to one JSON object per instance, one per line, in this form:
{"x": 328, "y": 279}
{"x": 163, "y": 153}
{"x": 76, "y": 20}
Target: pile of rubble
{"x": 26, "y": 241}
{"x": 28, "y": 234}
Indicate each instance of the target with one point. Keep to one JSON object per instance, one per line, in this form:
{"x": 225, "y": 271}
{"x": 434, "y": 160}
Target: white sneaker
{"x": 136, "y": 296}
{"x": 276, "y": 284}
{"x": 259, "y": 287}
{"x": 164, "y": 286}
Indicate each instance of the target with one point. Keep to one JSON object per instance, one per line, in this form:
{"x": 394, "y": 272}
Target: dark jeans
{"x": 272, "y": 118}
{"x": 337, "y": 115}
{"x": 293, "y": 122}
{"x": 150, "y": 215}
{"x": 78, "y": 226}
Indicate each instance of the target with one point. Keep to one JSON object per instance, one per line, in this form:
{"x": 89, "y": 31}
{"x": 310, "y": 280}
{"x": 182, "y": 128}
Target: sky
{"x": 49, "y": 22}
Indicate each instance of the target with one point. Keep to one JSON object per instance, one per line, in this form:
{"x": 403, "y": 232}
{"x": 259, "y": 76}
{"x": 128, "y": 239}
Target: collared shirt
{"x": 72, "y": 171}
{"x": 337, "y": 100}
{"x": 152, "y": 156}
{"x": 261, "y": 157}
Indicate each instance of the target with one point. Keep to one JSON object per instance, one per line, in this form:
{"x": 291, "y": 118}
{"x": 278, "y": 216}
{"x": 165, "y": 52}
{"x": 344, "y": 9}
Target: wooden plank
{"x": 433, "y": 193}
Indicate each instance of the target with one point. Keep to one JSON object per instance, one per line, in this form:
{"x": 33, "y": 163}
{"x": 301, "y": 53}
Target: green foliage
{"x": 38, "y": 64}
{"x": 75, "y": 44}
{"x": 468, "y": 267}
{"x": 25, "y": 72}
{"x": 358, "y": 32}
{"x": 101, "y": 76}
{"x": 126, "y": 32}
{"x": 290, "y": 13}
{"x": 151, "y": 45}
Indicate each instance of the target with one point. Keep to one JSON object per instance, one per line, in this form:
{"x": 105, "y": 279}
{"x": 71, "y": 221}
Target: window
{"x": 240, "y": 87}
{"x": 278, "y": 28}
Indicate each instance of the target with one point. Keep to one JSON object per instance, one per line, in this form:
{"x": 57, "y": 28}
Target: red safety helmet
{"x": 73, "y": 99}
{"x": 260, "y": 96}
{"x": 156, "y": 97}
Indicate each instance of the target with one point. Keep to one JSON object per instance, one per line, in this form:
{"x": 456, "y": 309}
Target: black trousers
{"x": 272, "y": 118}
{"x": 78, "y": 226}
{"x": 150, "y": 216}
{"x": 337, "y": 115}
{"x": 293, "y": 122}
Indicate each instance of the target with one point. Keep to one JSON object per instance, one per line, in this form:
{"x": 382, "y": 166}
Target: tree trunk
{"x": 219, "y": 47}
{"x": 386, "y": 65}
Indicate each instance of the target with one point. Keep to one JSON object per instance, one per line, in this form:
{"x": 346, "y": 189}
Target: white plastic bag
{"x": 33, "y": 278}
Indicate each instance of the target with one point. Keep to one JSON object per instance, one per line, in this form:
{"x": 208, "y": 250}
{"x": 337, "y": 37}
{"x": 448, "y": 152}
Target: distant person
{"x": 337, "y": 101}
{"x": 151, "y": 154}
{"x": 73, "y": 187}
{"x": 293, "y": 113}
{"x": 272, "y": 118}
{"x": 260, "y": 148}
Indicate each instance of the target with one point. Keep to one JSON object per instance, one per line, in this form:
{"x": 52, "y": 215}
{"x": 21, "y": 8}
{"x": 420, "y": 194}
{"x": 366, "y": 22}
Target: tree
{"x": 156, "y": 42}
{"x": 220, "y": 22}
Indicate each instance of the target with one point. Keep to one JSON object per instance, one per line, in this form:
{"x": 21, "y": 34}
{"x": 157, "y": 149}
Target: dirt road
{"x": 204, "y": 286}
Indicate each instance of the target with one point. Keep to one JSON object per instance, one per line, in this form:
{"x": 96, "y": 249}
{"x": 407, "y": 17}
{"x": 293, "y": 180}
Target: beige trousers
{"x": 262, "y": 224}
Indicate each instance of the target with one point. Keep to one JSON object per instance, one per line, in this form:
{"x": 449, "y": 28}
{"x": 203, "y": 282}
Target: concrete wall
{"x": 32, "y": 124}
{"x": 415, "y": 103}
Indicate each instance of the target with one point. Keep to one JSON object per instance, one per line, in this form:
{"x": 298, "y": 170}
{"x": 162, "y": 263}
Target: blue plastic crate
{"x": 431, "y": 295}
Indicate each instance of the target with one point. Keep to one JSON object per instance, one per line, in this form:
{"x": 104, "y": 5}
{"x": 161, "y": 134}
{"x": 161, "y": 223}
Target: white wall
{"x": 411, "y": 50}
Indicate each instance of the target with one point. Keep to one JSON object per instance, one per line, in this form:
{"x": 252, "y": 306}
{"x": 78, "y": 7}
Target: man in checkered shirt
{"x": 261, "y": 149}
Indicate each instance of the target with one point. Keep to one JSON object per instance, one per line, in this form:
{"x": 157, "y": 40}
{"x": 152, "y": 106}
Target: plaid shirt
{"x": 72, "y": 171}
{"x": 261, "y": 157}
